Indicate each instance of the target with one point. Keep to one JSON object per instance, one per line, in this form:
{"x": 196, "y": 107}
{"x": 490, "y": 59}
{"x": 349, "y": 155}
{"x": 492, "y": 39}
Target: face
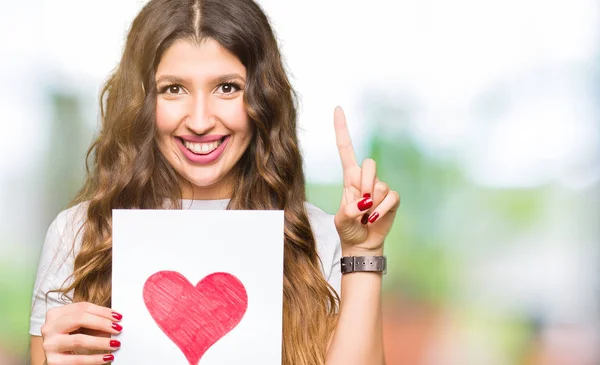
{"x": 202, "y": 124}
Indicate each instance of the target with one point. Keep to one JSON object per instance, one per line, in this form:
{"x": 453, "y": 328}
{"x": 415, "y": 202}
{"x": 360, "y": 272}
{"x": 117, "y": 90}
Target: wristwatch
{"x": 364, "y": 263}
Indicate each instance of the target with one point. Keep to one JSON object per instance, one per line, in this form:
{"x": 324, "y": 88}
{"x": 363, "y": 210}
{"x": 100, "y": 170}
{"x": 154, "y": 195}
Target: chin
{"x": 201, "y": 182}
{"x": 204, "y": 179}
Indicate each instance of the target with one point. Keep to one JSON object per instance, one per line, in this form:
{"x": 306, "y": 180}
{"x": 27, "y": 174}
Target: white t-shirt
{"x": 58, "y": 253}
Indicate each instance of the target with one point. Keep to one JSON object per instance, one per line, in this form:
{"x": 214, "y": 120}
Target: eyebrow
{"x": 217, "y": 79}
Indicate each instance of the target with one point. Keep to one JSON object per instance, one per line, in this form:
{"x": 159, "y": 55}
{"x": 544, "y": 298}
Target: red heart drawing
{"x": 194, "y": 318}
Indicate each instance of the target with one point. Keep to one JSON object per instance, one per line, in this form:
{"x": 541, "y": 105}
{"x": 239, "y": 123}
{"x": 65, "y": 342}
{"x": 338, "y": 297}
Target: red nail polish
{"x": 117, "y": 327}
{"x": 366, "y": 195}
{"x": 117, "y": 316}
{"x": 365, "y": 204}
{"x": 108, "y": 358}
{"x": 115, "y": 343}
{"x": 373, "y": 217}
{"x": 364, "y": 219}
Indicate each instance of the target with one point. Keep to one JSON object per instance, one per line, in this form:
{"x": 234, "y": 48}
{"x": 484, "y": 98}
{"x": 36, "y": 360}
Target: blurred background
{"x": 484, "y": 115}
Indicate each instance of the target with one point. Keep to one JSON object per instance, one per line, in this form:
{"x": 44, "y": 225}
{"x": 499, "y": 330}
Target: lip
{"x": 202, "y": 159}
{"x": 202, "y": 139}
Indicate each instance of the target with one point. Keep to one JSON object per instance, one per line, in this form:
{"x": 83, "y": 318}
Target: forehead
{"x": 186, "y": 58}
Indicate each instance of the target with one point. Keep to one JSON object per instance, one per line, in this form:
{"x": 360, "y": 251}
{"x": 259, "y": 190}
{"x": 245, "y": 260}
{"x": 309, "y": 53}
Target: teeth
{"x": 202, "y": 148}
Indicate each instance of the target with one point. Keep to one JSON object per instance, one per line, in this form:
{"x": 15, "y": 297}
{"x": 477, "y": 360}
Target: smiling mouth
{"x": 202, "y": 148}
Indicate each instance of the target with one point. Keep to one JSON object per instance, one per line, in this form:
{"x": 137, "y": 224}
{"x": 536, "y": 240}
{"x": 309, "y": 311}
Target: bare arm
{"x": 367, "y": 210}
{"x": 37, "y": 356}
{"x": 358, "y": 335}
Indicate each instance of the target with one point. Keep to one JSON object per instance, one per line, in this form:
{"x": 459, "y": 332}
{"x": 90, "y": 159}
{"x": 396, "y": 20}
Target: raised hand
{"x": 63, "y": 347}
{"x": 368, "y": 206}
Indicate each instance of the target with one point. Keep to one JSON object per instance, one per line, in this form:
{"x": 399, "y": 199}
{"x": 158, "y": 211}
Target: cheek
{"x": 236, "y": 118}
{"x": 167, "y": 116}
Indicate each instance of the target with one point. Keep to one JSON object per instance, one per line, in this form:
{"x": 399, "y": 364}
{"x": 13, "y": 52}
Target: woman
{"x": 200, "y": 112}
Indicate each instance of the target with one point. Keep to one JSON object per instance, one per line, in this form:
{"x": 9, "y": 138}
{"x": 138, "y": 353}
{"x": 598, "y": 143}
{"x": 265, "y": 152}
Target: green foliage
{"x": 16, "y": 283}
{"x": 326, "y": 197}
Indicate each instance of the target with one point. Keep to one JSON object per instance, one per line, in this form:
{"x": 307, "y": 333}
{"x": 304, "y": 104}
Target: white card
{"x": 198, "y": 286}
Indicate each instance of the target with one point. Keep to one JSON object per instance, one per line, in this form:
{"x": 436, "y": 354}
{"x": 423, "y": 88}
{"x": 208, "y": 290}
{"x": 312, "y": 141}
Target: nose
{"x": 200, "y": 120}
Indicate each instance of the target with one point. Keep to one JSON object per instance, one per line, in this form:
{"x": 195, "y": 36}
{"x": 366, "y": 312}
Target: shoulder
{"x": 71, "y": 217}
{"x": 61, "y": 245}
{"x": 321, "y": 221}
{"x": 68, "y": 223}
{"x": 55, "y": 266}
{"x": 62, "y": 238}
{"x": 326, "y": 236}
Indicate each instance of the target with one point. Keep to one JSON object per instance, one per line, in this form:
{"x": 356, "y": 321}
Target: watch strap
{"x": 351, "y": 264}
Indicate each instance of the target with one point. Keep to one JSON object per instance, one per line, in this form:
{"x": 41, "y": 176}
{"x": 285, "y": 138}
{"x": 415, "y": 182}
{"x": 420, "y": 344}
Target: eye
{"x": 172, "y": 89}
{"x": 229, "y": 88}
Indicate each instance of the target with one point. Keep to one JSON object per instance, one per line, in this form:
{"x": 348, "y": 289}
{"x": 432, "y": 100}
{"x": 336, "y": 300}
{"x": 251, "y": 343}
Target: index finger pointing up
{"x": 342, "y": 138}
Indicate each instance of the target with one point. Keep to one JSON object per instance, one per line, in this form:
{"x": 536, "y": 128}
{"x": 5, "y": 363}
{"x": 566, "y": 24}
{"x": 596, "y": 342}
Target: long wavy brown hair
{"x": 125, "y": 168}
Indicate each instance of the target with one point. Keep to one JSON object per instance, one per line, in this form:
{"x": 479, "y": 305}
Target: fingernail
{"x": 115, "y": 343}
{"x": 117, "y": 316}
{"x": 108, "y": 358}
{"x": 364, "y": 219}
{"x": 373, "y": 217}
{"x": 117, "y": 327}
{"x": 366, "y": 195}
{"x": 365, "y": 204}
